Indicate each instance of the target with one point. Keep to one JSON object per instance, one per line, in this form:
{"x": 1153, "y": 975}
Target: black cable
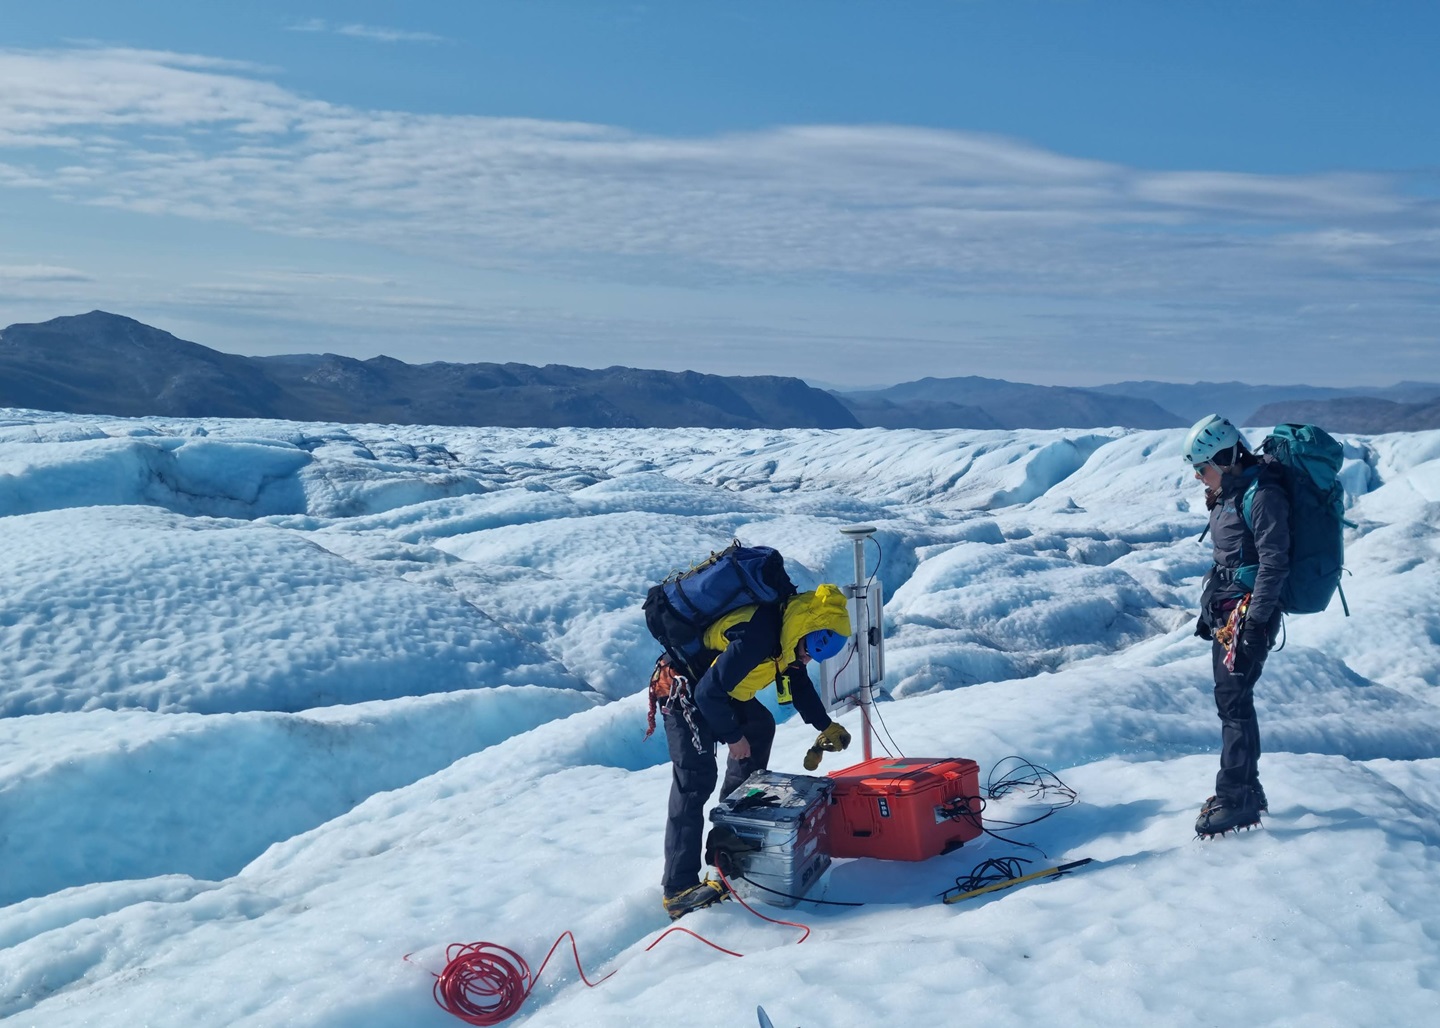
{"x": 1042, "y": 781}
{"x": 971, "y": 809}
{"x": 1028, "y": 774}
{"x": 851, "y": 656}
{"x": 799, "y": 899}
{"x": 996, "y": 869}
{"x": 879, "y": 559}
{"x": 876, "y": 708}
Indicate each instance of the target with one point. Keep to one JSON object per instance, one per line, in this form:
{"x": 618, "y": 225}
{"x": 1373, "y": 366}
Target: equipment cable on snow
{"x": 485, "y": 984}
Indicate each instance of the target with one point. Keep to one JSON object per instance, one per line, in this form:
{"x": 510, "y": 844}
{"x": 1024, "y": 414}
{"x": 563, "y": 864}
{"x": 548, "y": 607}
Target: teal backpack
{"x": 1311, "y": 459}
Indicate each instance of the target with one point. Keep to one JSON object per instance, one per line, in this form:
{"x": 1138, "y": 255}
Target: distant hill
{"x": 880, "y": 413}
{"x": 974, "y": 402}
{"x": 1243, "y": 403}
{"x": 101, "y": 363}
{"x": 1360, "y": 414}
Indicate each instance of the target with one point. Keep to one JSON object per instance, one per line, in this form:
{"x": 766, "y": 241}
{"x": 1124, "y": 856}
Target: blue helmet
{"x": 823, "y": 644}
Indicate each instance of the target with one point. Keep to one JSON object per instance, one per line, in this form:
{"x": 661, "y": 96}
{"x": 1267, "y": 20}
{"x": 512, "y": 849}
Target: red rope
{"x": 790, "y": 924}
{"x": 485, "y": 984}
{"x": 693, "y": 935}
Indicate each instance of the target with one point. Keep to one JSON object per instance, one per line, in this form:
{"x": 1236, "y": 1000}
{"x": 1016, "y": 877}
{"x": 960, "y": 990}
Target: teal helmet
{"x": 1209, "y": 436}
{"x": 823, "y": 644}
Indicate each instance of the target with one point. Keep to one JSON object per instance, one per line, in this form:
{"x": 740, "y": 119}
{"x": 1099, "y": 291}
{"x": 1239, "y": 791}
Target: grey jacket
{"x": 1255, "y": 560}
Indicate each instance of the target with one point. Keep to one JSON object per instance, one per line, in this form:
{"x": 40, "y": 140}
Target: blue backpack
{"x": 679, "y": 609}
{"x": 1311, "y": 460}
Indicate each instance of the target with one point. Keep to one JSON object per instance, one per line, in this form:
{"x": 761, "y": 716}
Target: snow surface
{"x": 285, "y": 703}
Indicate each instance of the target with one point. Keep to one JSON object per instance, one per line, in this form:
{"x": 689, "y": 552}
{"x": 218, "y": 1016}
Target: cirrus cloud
{"x": 884, "y": 207}
{"x": 173, "y": 134}
{"x": 377, "y": 33}
{"x": 41, "y": 273}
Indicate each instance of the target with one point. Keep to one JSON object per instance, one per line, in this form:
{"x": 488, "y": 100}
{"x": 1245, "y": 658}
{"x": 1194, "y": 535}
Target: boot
{"x": 697, "y": 897}
{"x": 1217, "y": 817}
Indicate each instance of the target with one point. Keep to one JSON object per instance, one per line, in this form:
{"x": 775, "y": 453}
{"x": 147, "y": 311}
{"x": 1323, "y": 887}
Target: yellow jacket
{"x": 802, "y": 614}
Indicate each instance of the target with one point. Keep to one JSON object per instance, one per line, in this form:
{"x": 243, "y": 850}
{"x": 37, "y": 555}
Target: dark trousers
{"x": 1239, "y": 729}
{"x": 693, "y": 774}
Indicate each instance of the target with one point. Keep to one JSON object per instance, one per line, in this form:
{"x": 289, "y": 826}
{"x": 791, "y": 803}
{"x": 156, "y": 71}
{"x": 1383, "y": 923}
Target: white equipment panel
{"x": 862, "y": 661}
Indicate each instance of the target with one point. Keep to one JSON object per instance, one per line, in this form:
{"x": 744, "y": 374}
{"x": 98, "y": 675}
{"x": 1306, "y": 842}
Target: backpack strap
{"x": 1247, "y": 502}
{"x": 1246, "y": 573}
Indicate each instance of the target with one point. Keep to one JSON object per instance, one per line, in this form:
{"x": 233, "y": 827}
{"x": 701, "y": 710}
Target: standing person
{"x": 1239, "y": 605}
{"x": 757, "y": 645}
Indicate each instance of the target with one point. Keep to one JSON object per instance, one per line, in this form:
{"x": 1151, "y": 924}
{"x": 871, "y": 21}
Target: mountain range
{"x": 1269, "y": 405}
{"x": 974, "y": 402}
{"x": 103, "y": 363}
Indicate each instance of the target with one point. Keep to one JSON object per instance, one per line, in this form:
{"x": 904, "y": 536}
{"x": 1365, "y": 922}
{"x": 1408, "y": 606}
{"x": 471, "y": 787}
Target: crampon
{"x": 697, "y": 897}
{"x": 1217, "y": 818}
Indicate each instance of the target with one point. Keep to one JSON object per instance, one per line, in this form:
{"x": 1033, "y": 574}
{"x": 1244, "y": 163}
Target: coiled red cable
{"x": 484, "y": 984}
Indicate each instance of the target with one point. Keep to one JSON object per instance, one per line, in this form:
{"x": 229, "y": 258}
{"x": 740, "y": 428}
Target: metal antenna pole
{"x": 860, "y": 598}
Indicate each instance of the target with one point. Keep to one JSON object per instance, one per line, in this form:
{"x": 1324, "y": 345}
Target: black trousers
{"x": 1239, "y": 729}
{"x": 693, "y": 774}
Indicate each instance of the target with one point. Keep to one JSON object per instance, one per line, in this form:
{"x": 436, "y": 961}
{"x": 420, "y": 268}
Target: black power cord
{"x": 1042, "y": 783}
{"x": 996, "y": 869}
{"x": 798, "y": 899}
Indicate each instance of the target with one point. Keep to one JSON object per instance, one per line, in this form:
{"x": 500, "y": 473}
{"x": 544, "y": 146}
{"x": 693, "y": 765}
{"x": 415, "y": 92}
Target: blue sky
{"x": 856, "y": 193}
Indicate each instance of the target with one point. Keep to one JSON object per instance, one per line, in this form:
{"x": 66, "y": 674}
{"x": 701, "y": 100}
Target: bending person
{"x": 757, "y": 645}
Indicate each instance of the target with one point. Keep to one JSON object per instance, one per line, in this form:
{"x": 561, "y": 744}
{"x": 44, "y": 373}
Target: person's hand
{"x": 1254, "y": 642}
{"x": 832, "y": 740}
{"x": 740, "y": 750}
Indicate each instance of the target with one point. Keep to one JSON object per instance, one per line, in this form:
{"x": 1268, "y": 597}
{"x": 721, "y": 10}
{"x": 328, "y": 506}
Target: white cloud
{"x": 1274, "y": 197}
{"x": 325, "y": 277}
{"x": 41, "y": 273}
{"x": 385, "y": 35}
{"x": 881, "y": 207}
{"x": 377, "y": 33}
{"x": 150, "y": 132}
{"x": 66, "y": 100}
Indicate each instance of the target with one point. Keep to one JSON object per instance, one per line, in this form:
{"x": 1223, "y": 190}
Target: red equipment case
{"x": 901, "y": 808}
